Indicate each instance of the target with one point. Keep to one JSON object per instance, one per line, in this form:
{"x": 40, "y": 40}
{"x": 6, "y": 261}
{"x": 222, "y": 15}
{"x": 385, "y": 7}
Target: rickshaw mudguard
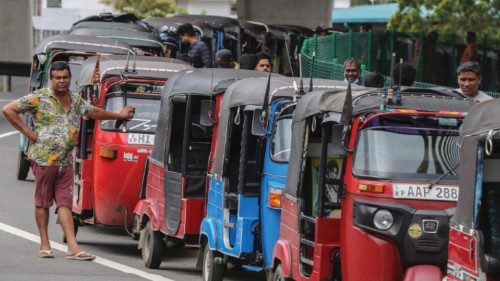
{"x": 149, "y": 208}
{"x": 423, "y": 272}
{"x": 208, "y": 230}
{"x": 283, "y": 254}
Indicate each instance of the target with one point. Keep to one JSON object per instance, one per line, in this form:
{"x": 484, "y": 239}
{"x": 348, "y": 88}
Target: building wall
{"x": 15, "y": 17}
{"x": 297, "y": 12}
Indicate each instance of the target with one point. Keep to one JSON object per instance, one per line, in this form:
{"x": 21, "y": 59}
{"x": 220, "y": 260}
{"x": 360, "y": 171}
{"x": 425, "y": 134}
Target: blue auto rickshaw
{"x": 245, "y": 185}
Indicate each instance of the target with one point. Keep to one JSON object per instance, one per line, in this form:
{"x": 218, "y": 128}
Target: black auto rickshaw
{"x": 474, "y": 242}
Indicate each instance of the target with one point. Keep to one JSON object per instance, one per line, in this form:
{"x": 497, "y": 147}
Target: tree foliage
{"x": 145, "y": 8}
{"x": 449, "y": 16}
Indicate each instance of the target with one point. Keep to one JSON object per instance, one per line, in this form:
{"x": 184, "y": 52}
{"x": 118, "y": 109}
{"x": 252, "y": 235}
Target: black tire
{"x": 153, "y": 249}
{"x": 211, "y": 270}
{"x": 23, "y": 166}
{"x": 278, "y": 274}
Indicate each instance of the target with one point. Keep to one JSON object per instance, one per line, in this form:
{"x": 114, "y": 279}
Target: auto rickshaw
{"x": 254, "y": 36}
{"x": 246, "y": 182}
{"x": 173, "y": 191}
{"x": 371, "y": 185}
{"x": 111, "y": 154}
{"x": 284, "y": 45}
{"x": 474, "y": 247}
{"x": 72, "y": 49}
{"x": 144, "y": 43}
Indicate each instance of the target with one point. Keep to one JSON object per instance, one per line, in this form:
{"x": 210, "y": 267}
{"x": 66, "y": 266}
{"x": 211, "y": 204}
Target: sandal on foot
{"x": 46, "y": 254}
{"x": 81, "y": 256}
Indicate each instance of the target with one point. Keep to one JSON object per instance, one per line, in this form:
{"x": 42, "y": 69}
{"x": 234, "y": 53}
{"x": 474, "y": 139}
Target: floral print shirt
{"x": 57, "y": 130}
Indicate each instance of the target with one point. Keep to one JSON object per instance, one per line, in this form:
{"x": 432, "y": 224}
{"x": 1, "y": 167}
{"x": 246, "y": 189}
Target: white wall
{"x": 208, "y": 7}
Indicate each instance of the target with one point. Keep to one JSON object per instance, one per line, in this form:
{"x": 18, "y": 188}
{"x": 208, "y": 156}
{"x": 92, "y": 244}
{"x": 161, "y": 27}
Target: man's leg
{"x": 42, "y": 222}
{"x": 67, "y": 224}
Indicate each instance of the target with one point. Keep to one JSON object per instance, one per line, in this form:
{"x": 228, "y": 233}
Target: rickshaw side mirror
{"x": 207, "y": 110}
{"x": 257, "y": 126}
{"x": 36, "y": 77}
{"x": 337, "y": 147}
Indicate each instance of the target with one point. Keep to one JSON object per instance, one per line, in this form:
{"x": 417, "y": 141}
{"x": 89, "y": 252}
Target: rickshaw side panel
{"x": 192, "y": 212}
{"x": 152, "y": 205}
{"x": 113, "y": 206}
{"x": 82, "y": 197}
{"x": 289, "y": 227}
{"x": 459, "y": 252}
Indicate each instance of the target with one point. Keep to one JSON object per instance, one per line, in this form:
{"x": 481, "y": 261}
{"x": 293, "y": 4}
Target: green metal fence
{"x": 435, "y": 61}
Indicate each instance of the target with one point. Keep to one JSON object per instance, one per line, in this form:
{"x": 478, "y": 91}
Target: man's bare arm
{"x": 11, "y": 112}
{"x": 101, "y": 114}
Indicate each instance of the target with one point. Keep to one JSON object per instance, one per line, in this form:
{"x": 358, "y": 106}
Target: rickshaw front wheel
{"x": 278, "y": 274}
{"x": 153, "y": 249}
{"x": 214, "y": 265}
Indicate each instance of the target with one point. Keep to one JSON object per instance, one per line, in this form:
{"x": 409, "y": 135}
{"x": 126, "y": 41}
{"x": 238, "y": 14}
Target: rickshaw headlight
{"x": 383, "y": 219}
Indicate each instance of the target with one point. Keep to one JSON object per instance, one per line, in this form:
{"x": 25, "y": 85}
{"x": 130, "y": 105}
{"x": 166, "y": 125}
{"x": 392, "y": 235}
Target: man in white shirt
{"x": 469, "y": 79}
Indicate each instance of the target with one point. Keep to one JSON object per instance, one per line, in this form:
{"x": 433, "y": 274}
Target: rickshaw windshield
{"x": 282, "y": 136}
{"x": 415, "y": 148}
{"x": 145, "y": 100}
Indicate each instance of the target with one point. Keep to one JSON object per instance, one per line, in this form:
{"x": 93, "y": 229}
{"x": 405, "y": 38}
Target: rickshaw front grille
{"x": 428, "y": 243}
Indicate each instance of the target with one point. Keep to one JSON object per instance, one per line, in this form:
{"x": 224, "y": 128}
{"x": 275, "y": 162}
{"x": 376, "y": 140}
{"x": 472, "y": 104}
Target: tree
{"x": 370, "y": 2}
{"x": 144, "y": 8}
{"x": 449, "y": 16}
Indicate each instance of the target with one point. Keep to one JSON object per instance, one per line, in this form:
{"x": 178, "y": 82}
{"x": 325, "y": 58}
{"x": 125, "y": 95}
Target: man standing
{"x": 198, "y": 52}
{"x": 352, "y": 70}
{"x": 56, "y": 112}
{"x": 469, "y": 79}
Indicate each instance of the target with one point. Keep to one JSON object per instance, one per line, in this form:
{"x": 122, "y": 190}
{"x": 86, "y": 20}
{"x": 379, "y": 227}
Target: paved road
{"x": 118, "y": 257}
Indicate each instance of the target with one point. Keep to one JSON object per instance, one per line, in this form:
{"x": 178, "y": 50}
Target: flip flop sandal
{"x": 81, "y": 256}
{"x": 46, "y": 254}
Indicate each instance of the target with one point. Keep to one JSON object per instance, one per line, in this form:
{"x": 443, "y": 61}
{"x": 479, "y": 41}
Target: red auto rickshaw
{"x": 474, "y": 247}
{"x": 173, "y": 191}
{"x": 371, "y": 186}
{"x": 111, "y": 154}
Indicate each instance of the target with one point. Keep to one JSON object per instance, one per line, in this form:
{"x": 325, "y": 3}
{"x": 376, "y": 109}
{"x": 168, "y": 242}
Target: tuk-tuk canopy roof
{"x": 481, "y": 119}
{"x": 369, "y": 98}
{"x": 256, "y": 30}
{"x": 229, "y": 25}
{"x": 130, "y": 37}
{"x": 171, "y": 24}
{"x": 484, "y": 117}
{"x": 201, "y": 81}
{"x": 110, "y": 18}
{"x": 206, "y": 80}
{"x": 145, "y": 66}
{"x": 251, "y": 91}
{"x": 110, "y": 25}
{"x": 83, "y": 43}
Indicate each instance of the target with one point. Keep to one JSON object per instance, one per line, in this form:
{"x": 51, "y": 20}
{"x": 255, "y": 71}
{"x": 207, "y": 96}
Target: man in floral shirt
{"x": 56, "y": 114}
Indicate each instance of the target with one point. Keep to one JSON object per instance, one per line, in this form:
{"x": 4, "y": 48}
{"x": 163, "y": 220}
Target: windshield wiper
{"x": 443, "y": 175}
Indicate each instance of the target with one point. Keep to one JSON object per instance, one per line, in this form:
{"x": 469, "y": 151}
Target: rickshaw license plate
{"x": 422, "y": 192}
{"x": 148, "y": 139}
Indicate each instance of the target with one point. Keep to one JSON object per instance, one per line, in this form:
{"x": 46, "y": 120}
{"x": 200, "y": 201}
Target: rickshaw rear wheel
{"x": 23, "y": 166}
{"x": 213, "y": 270}
{"x": 278, "y": 274}
{"x": 153, "y": 249}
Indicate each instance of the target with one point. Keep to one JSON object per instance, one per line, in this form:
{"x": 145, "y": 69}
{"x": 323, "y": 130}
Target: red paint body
{"x": 109, "y": 188}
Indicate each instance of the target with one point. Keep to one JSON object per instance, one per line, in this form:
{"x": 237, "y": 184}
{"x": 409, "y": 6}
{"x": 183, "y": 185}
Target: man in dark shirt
{"x": 198, "y": 52}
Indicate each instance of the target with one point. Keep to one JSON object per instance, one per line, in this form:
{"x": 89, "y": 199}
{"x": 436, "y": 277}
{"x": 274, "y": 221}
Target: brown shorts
{"x": 53, "y": 183}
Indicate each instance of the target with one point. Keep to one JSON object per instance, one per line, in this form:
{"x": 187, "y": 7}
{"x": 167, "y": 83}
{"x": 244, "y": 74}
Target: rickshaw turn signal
{"x": 375, "y": 188}
{"x": 275, "y": 198}
{"x": 108, "y": 152}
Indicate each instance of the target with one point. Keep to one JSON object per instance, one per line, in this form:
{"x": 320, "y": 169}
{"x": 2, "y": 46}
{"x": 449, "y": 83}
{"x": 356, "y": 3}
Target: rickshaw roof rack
{"x": 132, "y": 38}
{"x": 481, "y": 119}
{"x": 145, "y": 66}
{"x": 206, "y": 81}
{"x": 110, "y": 18}
{"x": 365, "y": 99}
{"x": 83, "y": 43}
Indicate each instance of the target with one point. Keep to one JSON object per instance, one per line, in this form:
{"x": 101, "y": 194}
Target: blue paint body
{"x": 254, "y": 229}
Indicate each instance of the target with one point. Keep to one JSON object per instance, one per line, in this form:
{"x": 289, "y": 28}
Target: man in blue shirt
{"x": 198, "y": 53}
